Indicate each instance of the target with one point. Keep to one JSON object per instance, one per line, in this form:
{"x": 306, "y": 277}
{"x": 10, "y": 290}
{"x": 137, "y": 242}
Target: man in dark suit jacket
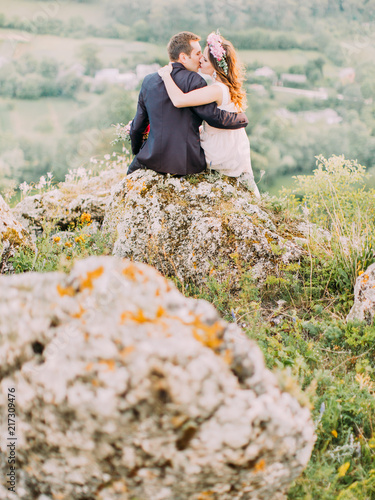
{"x": 173, "y": 144}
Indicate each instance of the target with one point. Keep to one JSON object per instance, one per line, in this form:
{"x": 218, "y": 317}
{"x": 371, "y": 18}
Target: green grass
{"x": 92, "y": 13}
{"x": 27, "y": 116}
{"x": 66, "y": 50}
{"x": 278, "y": 58}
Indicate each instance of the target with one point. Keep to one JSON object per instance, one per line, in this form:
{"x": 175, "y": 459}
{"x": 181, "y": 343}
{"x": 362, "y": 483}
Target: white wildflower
{"x": 24, "y": 187}
{"x": 107, "y": 157}
{"x": 81, "y": 172}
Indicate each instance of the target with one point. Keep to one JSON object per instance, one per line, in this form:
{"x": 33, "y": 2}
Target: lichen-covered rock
{"x": 65, "y": 205}
{"x": 12, "y": 237}
{"x": 194, "y": 229}
{"x": 126, "y": 389}
{"x": 364, "y": 297}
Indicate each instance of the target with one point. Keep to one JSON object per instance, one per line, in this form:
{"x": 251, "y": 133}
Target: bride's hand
{"x": 165, "y": 70}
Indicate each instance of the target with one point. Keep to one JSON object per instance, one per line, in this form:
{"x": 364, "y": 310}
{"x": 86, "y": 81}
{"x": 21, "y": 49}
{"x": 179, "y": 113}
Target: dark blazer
{"x": 173, "y": 144}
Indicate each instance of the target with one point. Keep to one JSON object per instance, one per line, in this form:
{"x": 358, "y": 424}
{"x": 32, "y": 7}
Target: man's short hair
{"x": 181, "y": 43}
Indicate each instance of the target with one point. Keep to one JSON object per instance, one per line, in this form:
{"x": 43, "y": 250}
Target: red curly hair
{"x": 236, "y": 74}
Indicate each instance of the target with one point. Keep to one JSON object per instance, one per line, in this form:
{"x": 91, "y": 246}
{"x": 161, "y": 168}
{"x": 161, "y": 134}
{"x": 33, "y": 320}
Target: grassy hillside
{"x": 297, "y": 315}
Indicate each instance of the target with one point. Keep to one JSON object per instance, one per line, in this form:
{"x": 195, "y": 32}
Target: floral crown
{"x": 217, "y": 50}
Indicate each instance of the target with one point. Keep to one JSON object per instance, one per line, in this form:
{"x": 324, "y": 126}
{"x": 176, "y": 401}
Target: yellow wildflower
{"x": 85, "y": 218}
{"x": 343, "y": 469}
{"x": 68, "y": 244}
{"x": 56, "y": 239}
{"x": 80, "y": 239}
{"x": 334, "y": 433}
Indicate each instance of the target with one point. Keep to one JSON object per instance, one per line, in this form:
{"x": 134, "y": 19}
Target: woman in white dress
{"x": 227, "y": 151}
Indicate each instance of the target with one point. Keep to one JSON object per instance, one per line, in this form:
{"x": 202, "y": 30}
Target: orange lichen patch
{"x": 110, "y": 363}
{"x": 227, "y": 356}
{"x": 131, "y": 272}
{"x": 95, "y": 382}
{"x": 179, "y": 420}
{"x": 90, "y": 277}
{"x": 69, "y": 290}
{"x": 205, "y": 495}
{"x": 86, "y": 336}
{"x": 89, "y": 367}
{"x": 365, "y": 278}
{"x": 127, "y": 350}
{"x": 260, "y": 465}
{"x": 79, "y": 313}
{"x": 208, "y": 335}
{"x": 160, "y": 312}
{"x": 139, "y": 316}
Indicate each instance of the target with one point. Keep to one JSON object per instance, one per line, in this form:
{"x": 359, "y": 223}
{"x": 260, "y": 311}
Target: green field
{"x": 278, "y": 58}
{"x": 92, "y": 13}
{"x": 31, "y": 117}
{"x": 66, "y": 50}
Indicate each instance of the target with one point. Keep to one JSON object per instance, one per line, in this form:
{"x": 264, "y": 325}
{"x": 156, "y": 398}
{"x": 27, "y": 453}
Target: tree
{"x": 88, "y": 53}
{"x": 49, "y": 68}
{"x": 69, "y": 84}
{"x": 30, "y": 87}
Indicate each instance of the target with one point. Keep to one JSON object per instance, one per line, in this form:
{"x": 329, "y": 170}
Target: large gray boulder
{"x": 65, "y": 205}
{"x": 192, "y": 229}
{"x": 13, "y": 237}
{"x": 126, "y": 389}
{"x": 364, "y": 297}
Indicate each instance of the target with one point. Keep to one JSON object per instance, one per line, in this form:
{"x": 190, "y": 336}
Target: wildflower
{"x": 49, "y": 175}
{"x": 81, "y": 172}
{"x": 107, "y": 157}
{"x": 56, "y": 239}
{"x": 68, "y": 244}
{"x": 24, "y": 187}
{"x": 69, "y": 177}
{"x": 93, "y": 160}
{"x": 80, "y": 239}
{"x": 343, "y": 469}
{"x": 85, "y": 218}
{"x": 334, "y": 433}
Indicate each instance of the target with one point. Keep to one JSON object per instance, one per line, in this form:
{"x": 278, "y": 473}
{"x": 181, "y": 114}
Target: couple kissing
{"x": 192, "y": 125}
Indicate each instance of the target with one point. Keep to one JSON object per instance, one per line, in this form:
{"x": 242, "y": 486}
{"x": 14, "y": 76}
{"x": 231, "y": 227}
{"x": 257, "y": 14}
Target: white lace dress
{"x": 227, "y": 151}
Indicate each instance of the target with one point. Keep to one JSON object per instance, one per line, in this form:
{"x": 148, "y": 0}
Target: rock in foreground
{"x": 364, "y": 297}
{"x": 194, "y": 229}
{"x": 126, "y": 389}
{"x": 12, "y": 237}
